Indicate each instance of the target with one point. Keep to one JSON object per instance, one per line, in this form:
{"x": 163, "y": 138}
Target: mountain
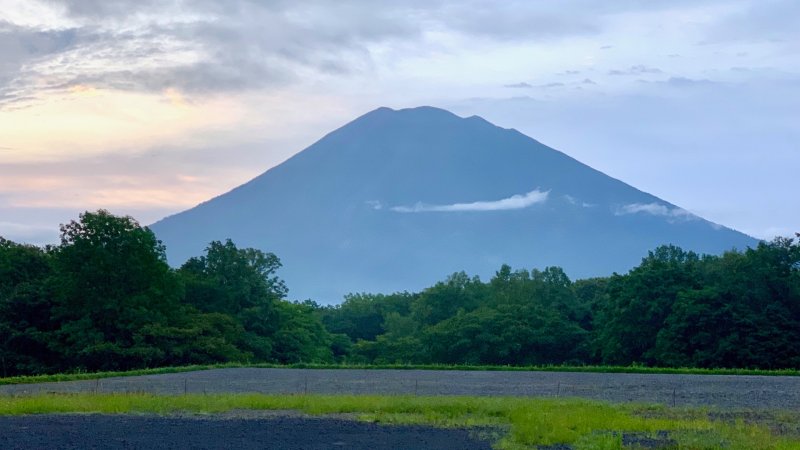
{"x": 399, "y": 199}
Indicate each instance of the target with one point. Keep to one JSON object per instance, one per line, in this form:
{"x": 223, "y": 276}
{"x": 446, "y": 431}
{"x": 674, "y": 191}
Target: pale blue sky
{"x": 149, "y": 107}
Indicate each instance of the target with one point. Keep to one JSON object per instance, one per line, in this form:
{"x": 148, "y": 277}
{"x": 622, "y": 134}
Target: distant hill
{"x": 396, "y": 200}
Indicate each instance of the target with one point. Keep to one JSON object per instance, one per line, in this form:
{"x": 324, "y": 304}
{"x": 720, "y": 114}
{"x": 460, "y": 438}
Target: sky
{"x": 147, "y": 108}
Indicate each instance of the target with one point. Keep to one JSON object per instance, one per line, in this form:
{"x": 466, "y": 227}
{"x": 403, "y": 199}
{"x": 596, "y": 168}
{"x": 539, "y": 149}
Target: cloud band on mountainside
{"x": 655, "y": 209}
{"x": 518, "y": 201}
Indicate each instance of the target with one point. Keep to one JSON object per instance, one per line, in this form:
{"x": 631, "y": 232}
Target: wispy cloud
{"x": 518, "y": 85}
{"x": 551, "y": 85}
{"x": 687, "y": 82}
{"x": 518, "y": 201}
{"x": 574, "y": 201}
{"x": 204, "y": 47}
{"x": 638, "y": 69}
{"x": 656, "y": 209}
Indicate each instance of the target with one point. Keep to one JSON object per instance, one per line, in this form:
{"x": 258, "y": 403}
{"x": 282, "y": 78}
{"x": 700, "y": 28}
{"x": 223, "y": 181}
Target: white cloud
{"x": 374, "y": 204}
{"x": 656, "y": 209}
{"x": 574, "y": 201}
{"x": 518, "y": 201}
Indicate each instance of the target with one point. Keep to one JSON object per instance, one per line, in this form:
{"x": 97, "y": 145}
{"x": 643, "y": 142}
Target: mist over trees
{"x": 105, "y": 298}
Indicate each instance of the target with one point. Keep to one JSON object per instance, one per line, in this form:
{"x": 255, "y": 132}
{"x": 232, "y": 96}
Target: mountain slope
{"x": 396, "y": 200}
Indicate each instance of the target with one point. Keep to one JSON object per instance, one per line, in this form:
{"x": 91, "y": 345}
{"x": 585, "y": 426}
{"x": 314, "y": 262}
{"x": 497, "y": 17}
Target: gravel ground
{"x": 727, "y": 391}
{"x": 287, "y": 433}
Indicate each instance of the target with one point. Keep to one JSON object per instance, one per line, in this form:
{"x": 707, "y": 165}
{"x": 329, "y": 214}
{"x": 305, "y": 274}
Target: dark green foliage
{"x": 26, "y": 300}
{"x": 229, "y": 280}
{"x": 641, "y": 301}
{"x": 747, "y": 314}
{"x": 737, "y": 310}
{"x": 300, "y": 337}
{"x": 105, "y": 299}
{"x": 115, "y": 293}
{"x": 677, "y": 309}
{"x": 517, "y": 318}
{"x": 362, "y": 316}
{"x": 241, "y": 285}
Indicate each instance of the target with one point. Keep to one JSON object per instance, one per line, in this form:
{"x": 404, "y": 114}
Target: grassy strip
{"x": 529, "y": 422}
{"x": 594, "y": 369}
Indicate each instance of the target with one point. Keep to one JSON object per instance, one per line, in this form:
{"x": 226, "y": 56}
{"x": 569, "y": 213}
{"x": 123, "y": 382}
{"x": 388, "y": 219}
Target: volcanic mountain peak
{"x": 398, "y": 199}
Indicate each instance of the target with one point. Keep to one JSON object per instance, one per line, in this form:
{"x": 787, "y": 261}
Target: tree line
{"x": 676, "y": 309}
{"x": 105, "y": 298}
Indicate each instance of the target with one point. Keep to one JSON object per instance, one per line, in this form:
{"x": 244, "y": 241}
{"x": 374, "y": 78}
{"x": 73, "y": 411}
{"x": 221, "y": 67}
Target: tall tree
{"x": 640, "y": 302}
{"x": 243, "y": 284}
{"x": 26, "y": 303}
{"x": 114, "y": 289}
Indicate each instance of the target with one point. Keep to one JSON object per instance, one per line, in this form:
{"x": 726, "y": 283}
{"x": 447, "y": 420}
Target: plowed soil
{"x": 727, "y": 391}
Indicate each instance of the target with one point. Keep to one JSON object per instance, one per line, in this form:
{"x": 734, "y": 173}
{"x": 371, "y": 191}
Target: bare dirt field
{"x": 73, "y": 431}
{"x": 727, "y": 391}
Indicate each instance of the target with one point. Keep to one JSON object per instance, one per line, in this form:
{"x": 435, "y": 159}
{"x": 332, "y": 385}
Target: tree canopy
{"x": 105, "y": 298}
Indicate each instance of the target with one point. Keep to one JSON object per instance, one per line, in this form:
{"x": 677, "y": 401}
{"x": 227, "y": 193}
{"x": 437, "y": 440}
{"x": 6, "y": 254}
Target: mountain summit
{"x": 398, "y": 199}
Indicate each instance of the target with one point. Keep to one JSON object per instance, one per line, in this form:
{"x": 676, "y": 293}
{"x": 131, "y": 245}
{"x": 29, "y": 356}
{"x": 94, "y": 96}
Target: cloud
{"x": 656, "y": 209}
{"x": 639, "y": 69}
{"x": 238, "y": 45}
{"x": 517, "y": 21}
{"x": 693, "y": 150}
{"x": 518, "y": 201}
{"x": 574, "y": 201}
{"x": 767, "y": 20}
{"x": 687, "y": 82}
{"x": 551, "y": 85}
{"x": 21, "y": 47}
{"x": 518, "y": 85}
{"x": 195, "y": 48}
{"x": 106, "y": 8}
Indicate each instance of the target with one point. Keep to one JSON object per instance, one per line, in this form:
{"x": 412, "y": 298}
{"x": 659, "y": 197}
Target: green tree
{"x": 230, "y": 280}
{"x": 114, "y": 287}
{"x": 639, "y": 303}
{"x": 445, "y": 299}
{"x": 243, "y": 284}
{"x": 747, "y": 314}
{"x": 26, "y": 304}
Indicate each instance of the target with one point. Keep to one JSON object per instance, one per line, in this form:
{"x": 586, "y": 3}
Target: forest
{"x": 104, "y": 298}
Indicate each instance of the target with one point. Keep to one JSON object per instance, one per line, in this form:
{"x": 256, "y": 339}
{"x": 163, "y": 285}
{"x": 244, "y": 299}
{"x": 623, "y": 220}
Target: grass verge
{"x": 596, "y": 369}
{"x": 529, "y": 423}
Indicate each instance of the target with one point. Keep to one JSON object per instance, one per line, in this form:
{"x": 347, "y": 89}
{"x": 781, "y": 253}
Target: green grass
{"x": 552, "y": 368}
{"x": 525, "y": 422}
